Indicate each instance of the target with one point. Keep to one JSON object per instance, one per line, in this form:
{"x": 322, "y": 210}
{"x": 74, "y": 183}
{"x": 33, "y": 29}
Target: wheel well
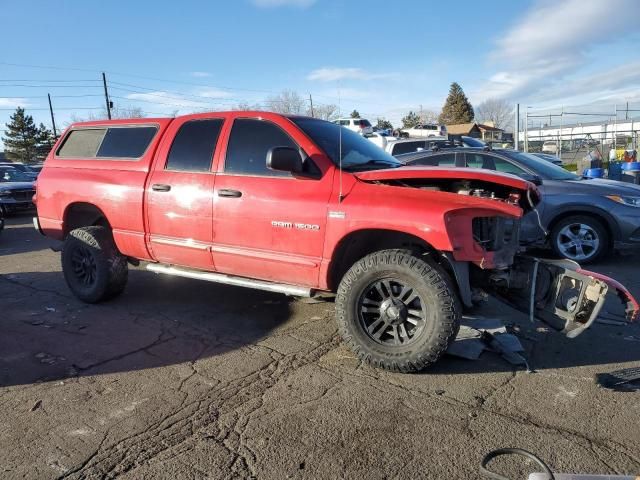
{"x": 586, "y": 213}
{"x": 83, "y": 215}
{"x": 361, "y": 243}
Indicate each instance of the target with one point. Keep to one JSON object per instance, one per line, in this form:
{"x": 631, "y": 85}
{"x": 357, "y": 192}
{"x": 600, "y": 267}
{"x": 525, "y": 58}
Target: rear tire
{"x": 93, "y": 267}
{"x": 396, "y": 311}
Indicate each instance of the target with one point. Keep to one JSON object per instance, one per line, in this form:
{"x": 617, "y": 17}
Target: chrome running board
{"x": 292, "y": 290}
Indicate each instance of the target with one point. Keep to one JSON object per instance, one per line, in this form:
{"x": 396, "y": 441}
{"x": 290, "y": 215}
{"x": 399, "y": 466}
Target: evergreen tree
{"x": 383, "y": 124}
{"x": 410, "y": 120}
{"x": 355, "y": 114}
{"x": 457, "y": 108}
{"x": 45, "y": 141}
{"x": 21, "y": 138}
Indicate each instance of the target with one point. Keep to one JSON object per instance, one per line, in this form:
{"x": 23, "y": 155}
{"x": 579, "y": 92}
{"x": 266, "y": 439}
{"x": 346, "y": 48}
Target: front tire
{"x": 580, "y": 238}
{"x": 93, "y": 267}
{"x": 396, "y": 311}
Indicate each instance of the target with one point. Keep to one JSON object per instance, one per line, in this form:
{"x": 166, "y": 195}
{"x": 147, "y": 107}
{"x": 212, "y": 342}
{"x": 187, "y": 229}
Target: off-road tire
{"x": 592, "y": 223}
{"x": 111, "y": 269}
{"x": 443, "y": 310}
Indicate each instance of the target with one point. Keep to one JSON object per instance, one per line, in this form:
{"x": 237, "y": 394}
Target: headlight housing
{"x": 625, "y": 200}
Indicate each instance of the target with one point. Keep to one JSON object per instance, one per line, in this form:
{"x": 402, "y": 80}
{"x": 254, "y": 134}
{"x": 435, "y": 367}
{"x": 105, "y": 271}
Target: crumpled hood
{"x": 470, "y": 185}
{"x": 4, "y": 186}
{"x": 448, "y": 173}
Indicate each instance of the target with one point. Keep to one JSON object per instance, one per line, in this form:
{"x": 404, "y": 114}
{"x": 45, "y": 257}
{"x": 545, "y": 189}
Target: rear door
{"x": 269, "y": 225}
{"x": 179, "y": 193}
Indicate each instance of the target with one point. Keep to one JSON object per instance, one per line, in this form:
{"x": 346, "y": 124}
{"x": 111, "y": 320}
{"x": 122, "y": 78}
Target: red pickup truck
{"x": 300, "y": 206}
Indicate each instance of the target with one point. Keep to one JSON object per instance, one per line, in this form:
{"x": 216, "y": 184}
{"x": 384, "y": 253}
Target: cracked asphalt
{"x": 188, "y": 380}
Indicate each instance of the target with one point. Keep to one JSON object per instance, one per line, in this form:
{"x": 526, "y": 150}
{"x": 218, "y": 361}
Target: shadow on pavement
{"x": 46, "y": 334}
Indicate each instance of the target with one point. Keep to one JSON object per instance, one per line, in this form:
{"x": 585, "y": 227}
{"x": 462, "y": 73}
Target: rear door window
{"x": 194, "y": 144}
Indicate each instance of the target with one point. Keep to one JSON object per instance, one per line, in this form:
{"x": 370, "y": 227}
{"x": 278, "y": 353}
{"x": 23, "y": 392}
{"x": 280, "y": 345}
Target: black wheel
{"x": 580, "y": 238}
{"x": 93, "y": 268}
{"x": 396, "y": 311}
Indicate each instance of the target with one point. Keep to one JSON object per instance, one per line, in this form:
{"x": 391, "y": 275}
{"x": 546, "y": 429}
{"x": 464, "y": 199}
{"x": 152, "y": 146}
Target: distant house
{"x": 476, "y": 130}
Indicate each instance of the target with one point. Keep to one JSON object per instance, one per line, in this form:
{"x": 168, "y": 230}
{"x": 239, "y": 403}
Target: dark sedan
{"x": 580, "y": 219}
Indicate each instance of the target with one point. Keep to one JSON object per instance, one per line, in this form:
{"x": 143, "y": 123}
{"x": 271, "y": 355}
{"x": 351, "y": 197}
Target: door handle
{"x": 160, "y": 187}
{"x": 225, "y": 192}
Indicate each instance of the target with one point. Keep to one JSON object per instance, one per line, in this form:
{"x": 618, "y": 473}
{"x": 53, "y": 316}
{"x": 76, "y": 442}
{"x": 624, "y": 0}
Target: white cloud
{"x": 551, "y": 43}
{"x": 13, "y": 102}
{"x": 283, "y": 3}
{"x": 214, "y": 93}
{"x": 165, "y": 99}
{"x": 332, "y": 74}
{"x": 200, "y": 74}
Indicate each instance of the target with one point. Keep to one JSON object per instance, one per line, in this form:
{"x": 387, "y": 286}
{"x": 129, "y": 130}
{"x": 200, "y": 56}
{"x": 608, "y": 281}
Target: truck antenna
{"x": 340, "y": 196}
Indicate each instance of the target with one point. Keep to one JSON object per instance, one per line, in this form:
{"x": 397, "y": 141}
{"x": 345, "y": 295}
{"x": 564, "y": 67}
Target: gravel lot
{"x": 182, "y": 379}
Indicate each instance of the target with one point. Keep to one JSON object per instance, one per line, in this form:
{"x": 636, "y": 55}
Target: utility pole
{"x": 311, "y": 103}
{"x": 626, "y": 112}
{"x": 526, "y": 130}
{"x": 106, "y": 95}
{"x": 516, "y": 137}
{"x": 53, "y": 120}
{"x": 560, "y": 133}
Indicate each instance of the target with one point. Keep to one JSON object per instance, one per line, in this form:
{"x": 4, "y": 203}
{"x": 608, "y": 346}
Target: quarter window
{"x": 249, "y": 143}
{"x": 129, "y": 142}
{"x": 192, "y": 149}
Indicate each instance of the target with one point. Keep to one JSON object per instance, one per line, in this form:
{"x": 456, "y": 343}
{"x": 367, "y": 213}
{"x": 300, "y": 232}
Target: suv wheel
{"x": 396, "y": 311}
{"x": 580, "y": 238}
{"x": 92, "y": 265}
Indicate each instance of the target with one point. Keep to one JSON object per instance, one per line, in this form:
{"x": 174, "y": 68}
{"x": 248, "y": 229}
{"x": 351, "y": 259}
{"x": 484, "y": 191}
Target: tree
{"x": 457, "y": 108}
{"x": 495, "y": 110}
{"x": 287, "y": 102}
{"x": 428, "y": 116}
{"x": 383, "y": 124}
{"x": 410, "y": 120}
{"x": 355, "y": 114}
{"x": 44, "y": 142}
{"x": 21, "y": 138}
{"x": 325, "y": 111}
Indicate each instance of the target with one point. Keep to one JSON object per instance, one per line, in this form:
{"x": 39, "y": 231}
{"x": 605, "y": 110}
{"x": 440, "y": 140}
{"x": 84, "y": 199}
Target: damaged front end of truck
{"x": 486, "y": 256}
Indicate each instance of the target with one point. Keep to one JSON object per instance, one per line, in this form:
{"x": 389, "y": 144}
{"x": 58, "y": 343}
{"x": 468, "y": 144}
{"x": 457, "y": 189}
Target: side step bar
{"x": 292, "y": 290}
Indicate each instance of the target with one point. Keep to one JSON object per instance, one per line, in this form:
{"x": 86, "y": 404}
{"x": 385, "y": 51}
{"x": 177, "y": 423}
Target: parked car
{"x": 21, "y": 167}
{"x": 550, "y": 146}
{"x": 549, "y": 158}
{"x": 426, "y": 130}
{"x": 1, "y": 220}
{"x": 580, "y": 219}
{"x": 402, "y": 146}
{"x": 378, "y": 138}
{"x": 358, "y": 125}
{"x": 16, "y": 190}
{"x": 299, "y": 205}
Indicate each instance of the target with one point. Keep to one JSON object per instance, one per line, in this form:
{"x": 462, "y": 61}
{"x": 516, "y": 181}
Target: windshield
{"x": 13, "y": 175}
{"x": 357, "y": 152}
{"x": 543, "y": 168}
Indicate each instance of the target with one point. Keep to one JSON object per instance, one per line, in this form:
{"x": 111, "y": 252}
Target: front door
{"x": 179, "y": 194}
{"x": 268, "y": 224}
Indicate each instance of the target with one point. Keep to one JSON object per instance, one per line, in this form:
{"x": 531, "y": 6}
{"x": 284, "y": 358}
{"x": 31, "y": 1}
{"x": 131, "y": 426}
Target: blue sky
{"x": 383, "y": 58}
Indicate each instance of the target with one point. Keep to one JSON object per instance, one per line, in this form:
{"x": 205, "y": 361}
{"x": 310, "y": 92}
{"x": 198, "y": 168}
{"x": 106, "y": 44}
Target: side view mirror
{"x": 285, "y": 159}
{"x": 530, "y": 177}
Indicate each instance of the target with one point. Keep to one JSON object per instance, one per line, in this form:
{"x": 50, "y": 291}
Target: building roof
{"x": 460, "y": 128}
{"x": 466, "y": 128}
